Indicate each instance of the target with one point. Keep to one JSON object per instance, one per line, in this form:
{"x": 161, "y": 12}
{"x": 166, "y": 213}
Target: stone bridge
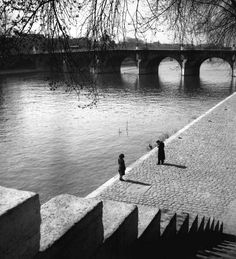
{"x": 147, "y": 61}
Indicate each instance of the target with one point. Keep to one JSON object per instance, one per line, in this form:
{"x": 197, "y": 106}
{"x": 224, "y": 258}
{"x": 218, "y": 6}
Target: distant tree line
{"x": 36, "y": 43}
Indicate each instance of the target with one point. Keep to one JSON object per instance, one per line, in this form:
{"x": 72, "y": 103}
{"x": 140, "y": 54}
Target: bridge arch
{"x": 191, "y": 67}
{"x": 152, "y": 66}
{"x": 213, "y": 64}
{"x": 111, "y": 63}
{"x": 129, "y": 65}
{"x": 170, "y": 66}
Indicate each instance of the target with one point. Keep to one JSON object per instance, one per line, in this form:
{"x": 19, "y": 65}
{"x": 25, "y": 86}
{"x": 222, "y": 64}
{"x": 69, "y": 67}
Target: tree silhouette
{"x": 212, "y": 20}
{"x": 50, "y": 24}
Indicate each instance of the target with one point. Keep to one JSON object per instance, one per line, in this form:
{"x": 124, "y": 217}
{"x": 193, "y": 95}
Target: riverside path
{"x": 199, "y": 174}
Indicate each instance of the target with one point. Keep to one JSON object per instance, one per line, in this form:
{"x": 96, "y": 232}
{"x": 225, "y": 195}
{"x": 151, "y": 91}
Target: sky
{"x": 163, "y": 35}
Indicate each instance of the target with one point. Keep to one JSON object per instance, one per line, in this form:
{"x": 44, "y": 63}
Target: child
{"x": 122, "y": 167}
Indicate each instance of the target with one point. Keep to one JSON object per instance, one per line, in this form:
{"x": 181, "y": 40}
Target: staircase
{"x": 225, "y": 248}
{"x": 126, "y": 231}
{"x": 69, "y": 227}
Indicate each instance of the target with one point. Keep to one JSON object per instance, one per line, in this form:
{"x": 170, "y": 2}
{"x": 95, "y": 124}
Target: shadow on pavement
{"x": 137, "y": 182}
{"x": 179, "y": 166}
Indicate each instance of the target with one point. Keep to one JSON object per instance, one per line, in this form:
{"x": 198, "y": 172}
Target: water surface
{"x": 50, "y": 146}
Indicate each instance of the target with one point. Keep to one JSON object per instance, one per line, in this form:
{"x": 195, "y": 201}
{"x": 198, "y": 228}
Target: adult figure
{"x": 122, "y": 167}
{"x": 161, "y": 152}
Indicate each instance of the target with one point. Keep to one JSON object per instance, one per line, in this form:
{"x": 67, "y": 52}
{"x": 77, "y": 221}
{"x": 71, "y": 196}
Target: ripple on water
{"x": 50, "y": 146}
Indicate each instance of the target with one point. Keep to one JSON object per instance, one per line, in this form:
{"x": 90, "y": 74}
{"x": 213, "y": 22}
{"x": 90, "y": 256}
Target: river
{"x": 50, "y": 146}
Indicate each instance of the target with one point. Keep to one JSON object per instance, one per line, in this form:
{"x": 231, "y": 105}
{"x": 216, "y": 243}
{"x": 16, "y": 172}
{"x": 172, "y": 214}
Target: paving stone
{"x": 199, "y": 176}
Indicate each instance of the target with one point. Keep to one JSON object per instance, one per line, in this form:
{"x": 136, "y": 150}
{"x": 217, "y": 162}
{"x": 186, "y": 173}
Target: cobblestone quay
{"x": 199, "y": 174}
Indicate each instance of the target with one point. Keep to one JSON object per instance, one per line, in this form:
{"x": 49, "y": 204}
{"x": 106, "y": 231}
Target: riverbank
{"x": 198, "y": 176}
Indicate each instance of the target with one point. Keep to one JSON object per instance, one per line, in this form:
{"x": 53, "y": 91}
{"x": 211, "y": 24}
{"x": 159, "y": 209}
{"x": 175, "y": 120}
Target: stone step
{"x": 148, "y": 223}
{"x": 200, "y": 256}
{"x": 213, "y": 224}
{"x": 226, "y": 249}
{"x": 206, "y": 253}
{"x": 167, "y": 224}
{"x": 217, "y": 253}
{"x": 230, "y": 252}
{"x": 202, "y": 224}
{"x": 220, "y": 254}
{"x": 193, "y": 223}
{"x": 229, "y": 244}
{"x": 221, "y": 257}
{"x": 19, "y": 223}
{"x": 182, "y": 223}
{"x": 217, "y": 226}
{"x": 211, "y": 257}
{"x": 217, "y": 249}
{"x": 67, "y": 224}
{"x": 120, "y": 222}
{"x": 208, "y": 224}
{"x": 225, "y": 246}
{"x": 233, "y": 243}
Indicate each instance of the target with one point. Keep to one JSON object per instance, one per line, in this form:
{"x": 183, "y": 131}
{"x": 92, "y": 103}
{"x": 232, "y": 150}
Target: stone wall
{"x": 19, "y": 223}
{"x": 71, "y": 227}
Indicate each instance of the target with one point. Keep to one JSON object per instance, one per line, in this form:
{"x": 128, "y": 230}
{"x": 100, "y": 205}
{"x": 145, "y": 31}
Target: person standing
{"x": 122, "y": 167}
{"x": 161, "y": 152}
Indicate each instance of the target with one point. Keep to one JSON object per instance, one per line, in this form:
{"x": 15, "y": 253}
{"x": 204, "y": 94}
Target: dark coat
{"x": 161, "y": 151}
{"x": 122, "y": 167}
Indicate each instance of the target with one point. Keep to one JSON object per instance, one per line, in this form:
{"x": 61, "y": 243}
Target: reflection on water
{"x": 50, "y": 146}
